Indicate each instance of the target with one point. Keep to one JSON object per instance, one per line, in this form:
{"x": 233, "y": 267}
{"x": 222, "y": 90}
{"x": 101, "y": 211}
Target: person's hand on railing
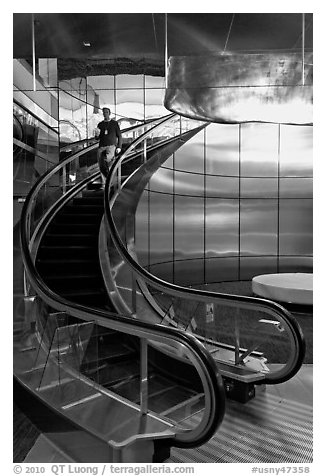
{"x": 118, "y": 150}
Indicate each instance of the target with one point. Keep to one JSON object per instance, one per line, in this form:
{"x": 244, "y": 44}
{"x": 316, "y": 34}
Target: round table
{"x": 294, "y": 288}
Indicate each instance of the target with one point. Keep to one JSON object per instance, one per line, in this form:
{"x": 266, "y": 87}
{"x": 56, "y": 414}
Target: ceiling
{"x": 129, "y": 35}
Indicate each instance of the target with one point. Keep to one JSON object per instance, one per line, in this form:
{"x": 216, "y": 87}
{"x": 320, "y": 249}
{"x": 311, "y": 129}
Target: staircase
{"x": 68, "y": 262}
{"x": 67, "y": 258}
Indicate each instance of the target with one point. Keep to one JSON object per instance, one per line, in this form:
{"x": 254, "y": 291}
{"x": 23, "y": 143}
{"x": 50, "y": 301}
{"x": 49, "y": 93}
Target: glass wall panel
{"x": 141, "y": 230}
{"x": 222, "y": 149}
{"x": 258, "y": 227}
{"x": 297, "y": 264}
{"x": 221, "y": 269}
{"x": 250, "y": 267}
{"x": 261, "y": 187}
{"x": 296, "y": 227}
{"x": 154, "y": 82}
{"x": 225, "y": 187}
{"x": 296, "y": 151}
{"x": 189, "y": 184}
{"x": 36, "y": 149}
{"x": 130, "y": 103}
{"x": 169, "y": 162}
{"x": 296, "y": 187}
{"x": 154, "y": 103}
{"x": 189, "y": 227}
{"x": 163, "y": 271}
{"x": 129, "y": 81}
{"x": 43, "y": 104}
{"x": 161, "y": 227}
{"x": 162, "y": 181}
{"x": 73, "y": 123}
{"x": 101, "y": 82}
{"x": 189, "y": 272}
{"x": 190, "y": 156}
{"x": 221, "y": 227}
{"x": 105, "y": 98}
{"x": 259, "y": 150}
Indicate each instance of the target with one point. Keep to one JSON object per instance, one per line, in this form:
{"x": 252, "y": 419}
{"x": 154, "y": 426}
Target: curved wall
{"x": 235, "y": 201}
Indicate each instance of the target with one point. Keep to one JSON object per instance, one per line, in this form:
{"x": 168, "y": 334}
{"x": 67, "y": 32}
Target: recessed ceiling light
{"x": 86, "y": 43}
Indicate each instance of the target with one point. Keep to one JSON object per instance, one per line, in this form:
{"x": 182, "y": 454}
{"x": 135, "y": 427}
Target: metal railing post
{"x": 145, "y": 151}
{"x": 143, "y": 376}
{"x": 64, "y": 179}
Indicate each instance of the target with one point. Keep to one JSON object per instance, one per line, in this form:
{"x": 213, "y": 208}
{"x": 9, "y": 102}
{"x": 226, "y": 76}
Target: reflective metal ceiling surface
{"x": 129, "y": 35}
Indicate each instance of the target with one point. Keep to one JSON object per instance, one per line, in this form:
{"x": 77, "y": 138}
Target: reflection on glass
{"x": 222, "y": 149}
{"x": 162, "y": 181}
{"x": 298, "y": 187}
{"x": 261, "y": 187}
{"x": 161, "y": 227}
{"x": 296, "y": 151}
{"x": 253, "y": 266}
{"x": 130, "y": 103}
{"x": 129, "y": 81}
{"x": 189, "y": 184}
{"x": 101, "y": 82}
{"x": 141, "y": 231}
{"x": 296, "y": 227}
{"x": 223, "y": 187}
{"x": 221, "y": 269}
{"x": 154, "y": 82}
{"x": 189, "y": 272}
{"x": 190, "y": 156}
{"x": 222, "y": 227}
{"x": 258, "y": 227}
{"x": 154, "y": 103}
{"x": 295, "y": 264}
{"x": 189, "y": 227}
{"x": 259, "y": 150}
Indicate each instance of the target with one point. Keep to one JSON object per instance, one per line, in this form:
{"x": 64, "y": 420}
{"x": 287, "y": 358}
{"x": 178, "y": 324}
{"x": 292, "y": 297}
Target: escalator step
{"x": 71, "y": 251}
{"x": 72, "y": 239}
{"x": 86, "y": 218}
{"x": 72, "y": 228}
{"x": 90, "y": 199}
{"x": 66, "y": 266}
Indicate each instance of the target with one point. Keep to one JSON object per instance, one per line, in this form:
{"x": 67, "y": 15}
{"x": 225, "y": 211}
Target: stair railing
{"x": 34, "y": 210}
{"x": 281, "y": 318}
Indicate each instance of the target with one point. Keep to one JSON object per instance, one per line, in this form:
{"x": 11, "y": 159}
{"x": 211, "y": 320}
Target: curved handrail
{"x": 89, "y": 140}
{"x": 198, "y": 355}
{"x": 236, "y": 301}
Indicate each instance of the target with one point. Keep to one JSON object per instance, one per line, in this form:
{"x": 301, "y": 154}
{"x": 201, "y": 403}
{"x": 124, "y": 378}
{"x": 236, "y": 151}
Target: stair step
{"x": 61, "y": 251}
{"x": 64, "y": 267}
{"x": 74, "y": 277}
{"x": 78, "y": 218}
{"x": 89, "y": 199}
{"x": 69, "y": 239}
{"x": 72, "y": 228}
{"x": 83, "y": 209}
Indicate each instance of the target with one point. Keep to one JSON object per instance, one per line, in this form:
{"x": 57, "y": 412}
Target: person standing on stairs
{"x": 109, "y": 133}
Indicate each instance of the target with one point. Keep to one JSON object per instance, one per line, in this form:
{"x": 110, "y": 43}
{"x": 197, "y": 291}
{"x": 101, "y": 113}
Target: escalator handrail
{"x": 206, "y": 367}
{"x": 127, "y": 129}
{"x": 247, "y": 302}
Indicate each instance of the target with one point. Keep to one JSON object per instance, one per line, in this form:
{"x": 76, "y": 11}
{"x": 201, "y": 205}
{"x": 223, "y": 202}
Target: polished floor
{"x": 274, "y": 427}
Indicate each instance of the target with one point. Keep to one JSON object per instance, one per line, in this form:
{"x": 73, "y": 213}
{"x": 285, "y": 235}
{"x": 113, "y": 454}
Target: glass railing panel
{"x": 252, "y": 340}
{"x": 61, "y": 384}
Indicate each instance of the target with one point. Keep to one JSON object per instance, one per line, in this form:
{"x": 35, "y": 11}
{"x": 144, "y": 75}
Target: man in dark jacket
{"x": 109, "y": 133}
